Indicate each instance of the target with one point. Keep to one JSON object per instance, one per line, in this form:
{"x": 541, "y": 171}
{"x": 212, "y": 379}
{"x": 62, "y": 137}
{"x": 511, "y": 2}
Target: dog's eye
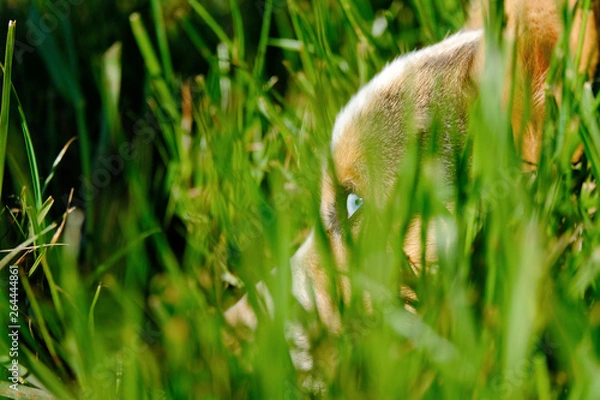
{"x": 353, "y": 204}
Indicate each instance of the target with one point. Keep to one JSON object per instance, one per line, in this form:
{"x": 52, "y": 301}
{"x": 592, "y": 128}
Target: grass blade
{"x": 57, "y": 161}
{"x": 161, "y": 37}
{"x": 163, "y": 94}
{"x": 24, "y": 246}
{"x": 4, "y": 113}
{"x": 240, "y": 39}
{"x": 264, "y": 39}
{"x": 196, "y": 39}
{"x": 214, "y": 25}
{"x": 33, "y": 168}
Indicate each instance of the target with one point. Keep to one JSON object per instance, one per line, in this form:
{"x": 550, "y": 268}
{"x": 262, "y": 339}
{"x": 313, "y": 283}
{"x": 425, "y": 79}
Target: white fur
{"x": 390, "y": 74}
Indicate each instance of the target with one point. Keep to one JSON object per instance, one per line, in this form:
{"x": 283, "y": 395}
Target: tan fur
{"x": 371, "y": 132}
{"x": 536, "y": 27}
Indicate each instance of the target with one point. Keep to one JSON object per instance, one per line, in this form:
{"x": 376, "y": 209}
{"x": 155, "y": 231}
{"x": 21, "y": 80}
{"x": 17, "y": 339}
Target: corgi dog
{"x": 401, "y": 99}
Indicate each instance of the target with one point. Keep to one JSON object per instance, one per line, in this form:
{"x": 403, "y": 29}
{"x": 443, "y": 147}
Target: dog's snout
{"x": 311, "y": 283}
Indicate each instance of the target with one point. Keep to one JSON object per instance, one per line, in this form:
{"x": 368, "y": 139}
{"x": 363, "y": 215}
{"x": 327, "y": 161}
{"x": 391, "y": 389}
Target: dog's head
{"x": 422, "y": 97}
{"x": 414, "y": 95}
{"x": 419, "y": 98}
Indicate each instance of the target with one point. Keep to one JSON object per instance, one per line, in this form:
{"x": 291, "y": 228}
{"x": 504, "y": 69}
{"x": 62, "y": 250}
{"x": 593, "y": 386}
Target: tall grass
{"x": 6, "y": 86}
{"x": 204, "y": 198}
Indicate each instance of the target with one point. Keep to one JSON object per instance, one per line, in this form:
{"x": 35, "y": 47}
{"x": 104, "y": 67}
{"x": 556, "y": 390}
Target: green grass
{"x": 7, "y": 72}
{"x": 200, "y": 201}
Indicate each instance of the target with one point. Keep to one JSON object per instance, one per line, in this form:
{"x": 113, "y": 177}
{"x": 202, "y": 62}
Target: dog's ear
{"x": 535, "y": 28}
